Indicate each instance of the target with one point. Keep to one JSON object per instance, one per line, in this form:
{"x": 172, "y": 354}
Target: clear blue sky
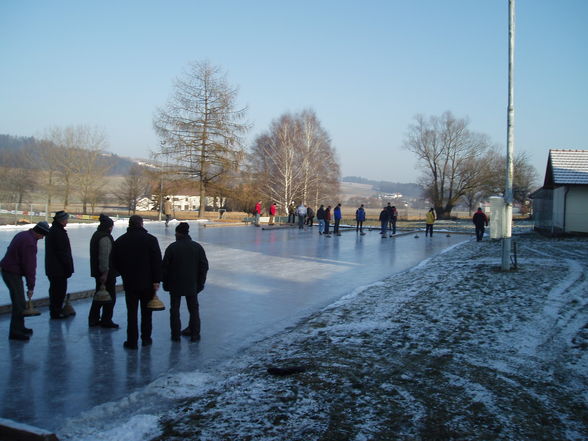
{"x": 365, "y": 67}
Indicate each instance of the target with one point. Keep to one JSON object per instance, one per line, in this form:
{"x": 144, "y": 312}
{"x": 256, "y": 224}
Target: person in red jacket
{"x": 272, "y": 213}
{"x": 480, "y": 221}
{"x": 327, "y": 221}
{"x": 257, "y": 213}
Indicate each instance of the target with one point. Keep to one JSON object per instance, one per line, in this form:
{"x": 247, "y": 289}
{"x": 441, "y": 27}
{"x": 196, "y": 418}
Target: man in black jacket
{"x": 137, "y": 257}
{"x": 101, "y": 269}
{"x": 58, "y": 263}
{"x": 184, "y": 274}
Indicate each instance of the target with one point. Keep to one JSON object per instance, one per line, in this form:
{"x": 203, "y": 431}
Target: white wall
{"x": 577, "y": 210}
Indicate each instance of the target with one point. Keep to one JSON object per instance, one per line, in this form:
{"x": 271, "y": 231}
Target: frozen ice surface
{"x": 260, "y": 282}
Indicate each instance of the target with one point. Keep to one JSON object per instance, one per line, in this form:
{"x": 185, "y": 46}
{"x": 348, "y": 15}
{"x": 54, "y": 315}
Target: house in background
{"x": 561, "y": 205}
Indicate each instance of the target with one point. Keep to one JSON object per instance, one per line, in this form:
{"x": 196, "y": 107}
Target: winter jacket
{"x": 21, "y": 257}
{"x": 101, "y": 245}
{"x": 58, "y": 258}
{"x": 258, "y": 208}
{"x": 310, "y": 212}
{"x": 137, "y": 257}
{"x": 479, "y": 219}
{"x": 320, "y": 213}
{"x": 301, "y": 210}
{"x": 430, "y": 218}
{"x": 384, "y": 215}
{"x": 360, "y": 214}
{"x": 272, "y": 210}
{"x": 184, "y": 267}
{"x": 328, "y": 215}
{"x": 337, "y": 213}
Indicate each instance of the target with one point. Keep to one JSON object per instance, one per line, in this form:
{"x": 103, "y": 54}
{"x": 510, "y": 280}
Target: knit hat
{"x": 105, "y": 221}
{"x": 60, "y": 216}
{"x": 183, "y": 228}
{"x": 41, "y": 228}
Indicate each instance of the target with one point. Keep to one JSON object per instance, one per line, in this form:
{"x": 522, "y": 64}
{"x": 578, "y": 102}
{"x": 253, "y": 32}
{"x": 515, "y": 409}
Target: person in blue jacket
{"x": 337, "y": 216}
{"x": 359, "y": 218}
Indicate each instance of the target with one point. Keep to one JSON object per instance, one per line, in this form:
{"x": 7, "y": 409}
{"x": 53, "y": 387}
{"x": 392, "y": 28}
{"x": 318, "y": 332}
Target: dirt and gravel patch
{"x": 452, "y": 350}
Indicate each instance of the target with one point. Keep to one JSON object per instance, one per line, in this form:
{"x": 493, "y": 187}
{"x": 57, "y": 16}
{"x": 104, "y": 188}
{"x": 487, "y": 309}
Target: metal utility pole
{"x": 507, "y": 233}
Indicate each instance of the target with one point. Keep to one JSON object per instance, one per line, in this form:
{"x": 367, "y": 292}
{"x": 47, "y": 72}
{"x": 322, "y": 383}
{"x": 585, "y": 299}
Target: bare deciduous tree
{"x": 294, "y": 161}
{"x": 201, "y": 127}
{"x": 135, "y": 185}
{"x": 449, "y": 154}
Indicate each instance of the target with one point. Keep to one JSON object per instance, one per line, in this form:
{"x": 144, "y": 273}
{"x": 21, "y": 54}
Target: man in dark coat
{"x": 137, "y": 257}
{"x": 58, "y": 263}
{"x": 480, "y": 221}
{"x": 103, "y": 272}
{"x": 184, "y": 274}
{"x": 21, "y": 261}
{"x": 384, "y": 222}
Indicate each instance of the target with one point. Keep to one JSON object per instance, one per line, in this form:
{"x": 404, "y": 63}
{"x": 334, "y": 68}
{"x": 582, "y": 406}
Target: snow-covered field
{"x": 453, "y": 349}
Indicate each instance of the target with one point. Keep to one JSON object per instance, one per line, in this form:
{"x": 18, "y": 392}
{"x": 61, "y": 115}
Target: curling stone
{"x": 102, "y": 296}
{"x": 30, "y": 311}
{"x": 155, "y": 304}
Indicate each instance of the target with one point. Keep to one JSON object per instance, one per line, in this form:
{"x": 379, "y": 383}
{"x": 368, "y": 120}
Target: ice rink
{"x": 260, "y": 282}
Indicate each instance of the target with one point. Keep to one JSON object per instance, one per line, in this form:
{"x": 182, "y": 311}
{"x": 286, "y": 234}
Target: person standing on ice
{"x": 327, "y": 220}
{"x": 21, "y": 261}
{"x": 103, "y": 272}
{"x": 480, "y": 220}
{"x": 137, "y": 257}
{"x": 167, "y": 210}
{"x": 59, "y": 265}
{"x": 309, "y": 216}
{"x": 384, "y": 222}
{"x": 359, "y": 219}
{"x": 257, "y": 213}
{"x": 430, "y": 220}
{"x": 301, "y": 212}
{"x": 291, "y": 213}
{"x": 272, "y": 213}
{"x": 184, "y": 274}
{"x": 338, "y": 216}
{"x": 320, "y": 217}
{"x": 393, "y": 219}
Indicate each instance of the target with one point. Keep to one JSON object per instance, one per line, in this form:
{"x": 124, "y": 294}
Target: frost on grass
{"x": 454, "y": 349}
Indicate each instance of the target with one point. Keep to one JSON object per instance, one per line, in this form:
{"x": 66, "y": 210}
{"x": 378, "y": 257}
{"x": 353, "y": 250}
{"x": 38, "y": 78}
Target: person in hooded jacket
{"x": 184, "y": 274}
{"x": 102, "y": 270}
{"x": 327, "y": 220}
{"x": 137, "y": 257}
{"x": 338, "y": 216}
{"x": 59, "y": 264}
{"x": 480, "y": 220}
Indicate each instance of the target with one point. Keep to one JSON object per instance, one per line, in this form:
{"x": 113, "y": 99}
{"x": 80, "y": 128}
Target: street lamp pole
{"x": 508, "y": 195}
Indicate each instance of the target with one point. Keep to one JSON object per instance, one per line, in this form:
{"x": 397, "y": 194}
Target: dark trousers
{"x": 429, "y": 230}
{"x": 359, "y": 226}
{"x": 393, "y": 226}
{"x": 300, "y": 222}
{"x": 480, "y": 233}
{"x": 309, "y": 220}
{"x": 57, "y": 291}
{"x": 133, "y": 299}
{"x": 326, "y": 226}
{"x": 174, "y": 314}
{"x": 383, "y": 227}
{"x": 291, "y": 218}
{"x": 15, "y": 286}
{"x": 107, "y": 308}
{"x": 336, "y": 227}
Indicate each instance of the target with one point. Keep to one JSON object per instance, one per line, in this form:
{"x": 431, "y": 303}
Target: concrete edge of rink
{"x": 13, "y": 431}
{"x": 6, "y": 309}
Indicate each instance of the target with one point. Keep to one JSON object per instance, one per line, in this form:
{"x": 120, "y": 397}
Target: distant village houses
{"x": 180, "y": 202}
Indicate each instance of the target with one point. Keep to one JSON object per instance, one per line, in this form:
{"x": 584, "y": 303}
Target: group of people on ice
{"x": 388, "y": 219}
{"x": 135, "y": 255}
